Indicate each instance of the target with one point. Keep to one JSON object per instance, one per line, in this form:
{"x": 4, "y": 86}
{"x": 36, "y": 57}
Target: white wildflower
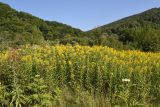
{"x": 126, "y": 80}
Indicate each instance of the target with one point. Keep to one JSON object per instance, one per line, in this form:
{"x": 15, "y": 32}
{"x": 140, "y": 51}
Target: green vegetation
{"x": 78, "y": 76}
{"x": 33, "y": 73}
{"x": 141, "y": 31}
{"x": 19, "y": 28}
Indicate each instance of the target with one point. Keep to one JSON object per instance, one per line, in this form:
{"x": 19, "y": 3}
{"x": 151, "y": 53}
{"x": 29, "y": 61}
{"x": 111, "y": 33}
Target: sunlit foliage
{"x": 80, "y": 76}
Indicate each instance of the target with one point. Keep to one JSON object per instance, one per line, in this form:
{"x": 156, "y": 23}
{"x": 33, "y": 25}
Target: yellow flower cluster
{"x": 51, "y": 56}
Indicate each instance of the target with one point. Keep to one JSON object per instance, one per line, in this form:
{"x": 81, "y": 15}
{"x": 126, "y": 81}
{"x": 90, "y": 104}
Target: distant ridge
{"x": 140, "y": 31}
{"x": 20, "y": 28}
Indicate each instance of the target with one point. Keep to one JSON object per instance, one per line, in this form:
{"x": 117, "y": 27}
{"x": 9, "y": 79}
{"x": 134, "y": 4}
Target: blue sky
{"x": 83, "y": 14}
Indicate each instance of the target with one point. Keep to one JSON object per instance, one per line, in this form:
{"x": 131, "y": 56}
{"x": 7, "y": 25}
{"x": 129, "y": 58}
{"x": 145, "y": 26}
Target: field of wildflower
{"x": 78, "y": 76}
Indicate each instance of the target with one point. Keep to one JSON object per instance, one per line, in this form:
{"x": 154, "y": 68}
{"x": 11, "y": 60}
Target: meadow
{"x": 78, "y": 76}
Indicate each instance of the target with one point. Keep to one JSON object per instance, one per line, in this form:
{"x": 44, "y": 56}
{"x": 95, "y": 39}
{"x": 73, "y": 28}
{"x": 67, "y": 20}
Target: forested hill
{"x": 140, "y": 31}
{"x": 18, "y": 28}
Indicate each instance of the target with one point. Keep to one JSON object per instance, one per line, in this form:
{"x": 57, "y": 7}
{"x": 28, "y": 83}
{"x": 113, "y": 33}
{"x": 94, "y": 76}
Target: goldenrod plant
{"x": 81, "y": 76}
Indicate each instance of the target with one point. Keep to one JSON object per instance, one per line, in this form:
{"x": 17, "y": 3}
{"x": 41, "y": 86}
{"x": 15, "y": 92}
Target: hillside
{"x": 141, "y": 31}
{"x": 18, "y": 28}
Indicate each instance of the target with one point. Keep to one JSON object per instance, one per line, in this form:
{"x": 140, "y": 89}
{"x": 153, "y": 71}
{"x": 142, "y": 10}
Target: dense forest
{"x": 141, "y": 31}
{"x": 19, "y": 28}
